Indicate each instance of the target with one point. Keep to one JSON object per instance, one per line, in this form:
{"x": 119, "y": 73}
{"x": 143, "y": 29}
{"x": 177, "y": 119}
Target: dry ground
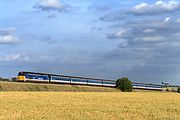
{"x": 89, "y": 106}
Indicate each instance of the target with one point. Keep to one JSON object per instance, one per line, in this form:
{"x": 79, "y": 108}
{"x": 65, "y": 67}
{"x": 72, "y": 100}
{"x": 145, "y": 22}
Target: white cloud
{"x": 14, "y": 57}
{"x": 6, "y": 36}
{"x": 156, "y": 8}
{"x": 48, "y": 5}
{"x": 153, "y": 38}
{"x": 149, "y": 31}
{"x": 55, "y": 4}
{"x": 141, "y": 6}
{"x": 170, "y": 5}
{"x": 167, "y": 19}
{"x": 149, "y": 39}
{"x": 118, "y": 34}
{"x": 5, "y": 39}
{"x": 144, "y": 9}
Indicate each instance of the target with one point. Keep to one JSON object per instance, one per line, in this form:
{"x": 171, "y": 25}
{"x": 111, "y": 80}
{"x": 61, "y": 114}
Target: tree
{"x": 14, "y": 79}
{"x": 178, "y": 90}
{"x": 124, "y": 84}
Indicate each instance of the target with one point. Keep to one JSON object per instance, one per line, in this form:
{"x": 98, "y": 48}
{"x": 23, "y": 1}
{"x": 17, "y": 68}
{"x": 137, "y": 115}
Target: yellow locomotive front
{"x": 21, "y": 76}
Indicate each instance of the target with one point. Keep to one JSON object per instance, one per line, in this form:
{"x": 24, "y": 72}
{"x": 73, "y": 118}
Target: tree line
{"x": 9, "y": 80}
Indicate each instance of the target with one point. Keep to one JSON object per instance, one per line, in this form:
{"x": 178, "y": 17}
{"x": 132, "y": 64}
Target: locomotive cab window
{"x": 21, "y": 74}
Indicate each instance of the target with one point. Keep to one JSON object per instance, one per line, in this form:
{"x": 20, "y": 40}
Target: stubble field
{"x": 89, "y": 106}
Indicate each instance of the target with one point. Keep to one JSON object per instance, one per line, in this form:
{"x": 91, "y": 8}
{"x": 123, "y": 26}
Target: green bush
{"x": 178, "y": 90}
{"x": 124, "y": 84}
{"x": 167, "y": 90}
{"x": 173, "y": 90}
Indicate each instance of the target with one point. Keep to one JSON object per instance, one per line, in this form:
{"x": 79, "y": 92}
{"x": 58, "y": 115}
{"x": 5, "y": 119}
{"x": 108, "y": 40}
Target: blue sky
{"x": 108, "y": 39}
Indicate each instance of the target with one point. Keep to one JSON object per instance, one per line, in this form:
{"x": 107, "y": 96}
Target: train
{"x": 55, "y": 78}
{"x": 64, "y": 79}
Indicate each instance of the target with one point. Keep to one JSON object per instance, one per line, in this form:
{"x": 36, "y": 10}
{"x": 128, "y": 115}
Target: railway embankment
{"x": 21, "y": 86}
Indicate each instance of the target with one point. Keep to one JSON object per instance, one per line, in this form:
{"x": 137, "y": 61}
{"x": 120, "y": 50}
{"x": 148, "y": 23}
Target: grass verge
{"x": 16, "y": 86}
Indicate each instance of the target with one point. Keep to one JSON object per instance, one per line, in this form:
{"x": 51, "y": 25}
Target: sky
{"x": 138, "y": 39}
